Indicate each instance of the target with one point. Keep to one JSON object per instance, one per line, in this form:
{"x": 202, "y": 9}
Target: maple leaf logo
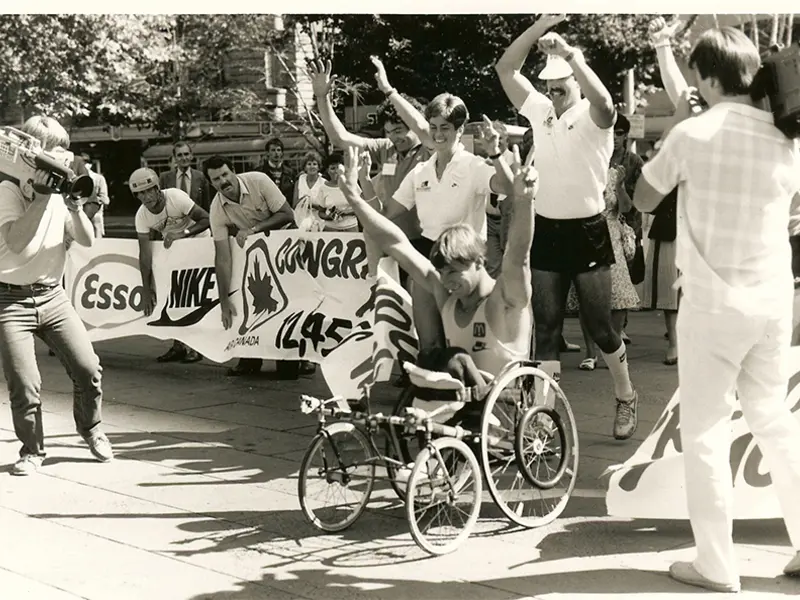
{"x": 263, "y": 295}
{"x": 261, "y": 290}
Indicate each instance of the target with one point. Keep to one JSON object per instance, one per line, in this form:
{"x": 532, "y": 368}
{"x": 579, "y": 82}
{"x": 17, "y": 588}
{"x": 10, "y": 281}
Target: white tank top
{"x": 488, "y": 352}
{"x": 302, "y": 186}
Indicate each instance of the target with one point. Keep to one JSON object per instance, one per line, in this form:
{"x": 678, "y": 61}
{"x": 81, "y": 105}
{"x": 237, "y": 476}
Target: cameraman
{"x": 35, "y": 226}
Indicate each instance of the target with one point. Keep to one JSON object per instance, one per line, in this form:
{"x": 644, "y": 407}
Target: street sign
{"x": 637, "y": 127}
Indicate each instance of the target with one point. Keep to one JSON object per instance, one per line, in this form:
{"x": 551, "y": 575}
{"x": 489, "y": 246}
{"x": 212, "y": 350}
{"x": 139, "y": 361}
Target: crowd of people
{"x": 496, "y": 249}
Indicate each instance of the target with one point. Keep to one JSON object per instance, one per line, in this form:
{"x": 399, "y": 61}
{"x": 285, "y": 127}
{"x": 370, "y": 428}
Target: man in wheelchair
{"x": 487, "y": 322}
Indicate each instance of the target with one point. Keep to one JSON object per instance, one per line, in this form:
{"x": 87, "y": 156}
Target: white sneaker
{"x": 27, "y": 464}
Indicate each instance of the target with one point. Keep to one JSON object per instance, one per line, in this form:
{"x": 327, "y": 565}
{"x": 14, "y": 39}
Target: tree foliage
{"x": 429, "y": 54}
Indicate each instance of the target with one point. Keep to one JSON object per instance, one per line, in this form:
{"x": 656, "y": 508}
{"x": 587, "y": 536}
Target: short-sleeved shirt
{"x": 44, "y": 260}
{"x": 259, "y": 199}
{"x": 736, "y": 175}
{"x": 332, "y": 197}
{"x": 459, "y": 197}
{"x": 571, "y": 154}
{"x": 393, "y": 168}
{"x": 174, "y": 217}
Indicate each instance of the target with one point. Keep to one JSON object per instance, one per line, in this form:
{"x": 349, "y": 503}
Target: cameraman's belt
{"x": 32, "y": 288}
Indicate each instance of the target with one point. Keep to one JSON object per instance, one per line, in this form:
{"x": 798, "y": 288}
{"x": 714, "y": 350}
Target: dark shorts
{"x": 423, "y": 246}
{"x": 571, "y": 246}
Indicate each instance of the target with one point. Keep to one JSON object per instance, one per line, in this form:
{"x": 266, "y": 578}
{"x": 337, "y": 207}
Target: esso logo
{"x": 108, "y": 291}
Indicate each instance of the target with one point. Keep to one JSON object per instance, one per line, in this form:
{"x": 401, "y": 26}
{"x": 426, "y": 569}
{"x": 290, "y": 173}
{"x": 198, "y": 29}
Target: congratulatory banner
{"x": 650, "y": 485}
{"x": 297, "y": 296}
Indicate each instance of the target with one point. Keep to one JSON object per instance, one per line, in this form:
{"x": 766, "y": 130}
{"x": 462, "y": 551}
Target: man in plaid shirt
{"x": 737, "y": 176}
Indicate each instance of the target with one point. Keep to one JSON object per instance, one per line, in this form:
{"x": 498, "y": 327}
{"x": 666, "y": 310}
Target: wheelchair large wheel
{"x": 337, "y": 475}
{"x": 541, "y": 446}
{"x": 444, "y": 495}
{"x": 509, "y": 481}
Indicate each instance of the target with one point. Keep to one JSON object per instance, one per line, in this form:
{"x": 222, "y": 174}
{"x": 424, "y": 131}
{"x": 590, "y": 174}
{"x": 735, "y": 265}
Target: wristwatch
{"x": 186, "y": 233}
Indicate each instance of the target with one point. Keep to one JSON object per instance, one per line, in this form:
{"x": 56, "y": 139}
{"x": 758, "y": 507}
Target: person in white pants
{"x": 739, "y": 183}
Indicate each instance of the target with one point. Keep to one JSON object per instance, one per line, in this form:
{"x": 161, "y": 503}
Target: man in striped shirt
{"x": 737, "y": 175}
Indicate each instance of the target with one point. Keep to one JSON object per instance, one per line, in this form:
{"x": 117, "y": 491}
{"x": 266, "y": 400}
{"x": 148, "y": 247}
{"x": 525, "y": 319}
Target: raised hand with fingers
{"x": 491, "y": 136}
{"x": 551, "y": 20}
{"x": 661, "y": 33}
{"x": 552, "y": 43}
{"x": 321, "y": 78}
{"x": 380, "y": 75}
{"x": 348, "y": 181}
{"x": 365, "y": 166}
{"x": 526, "y": 177}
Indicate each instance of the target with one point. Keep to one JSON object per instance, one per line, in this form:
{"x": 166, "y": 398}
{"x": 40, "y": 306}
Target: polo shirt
{"x": 572, "y": 155}
{"x": 736, "y": 175}
{"x": 174, "y": 217}
{"x": 393, "y": 168}
{"x": 43, "y": 261}
{"x": 259, "y": 199}
{"x": 459, "y": 197}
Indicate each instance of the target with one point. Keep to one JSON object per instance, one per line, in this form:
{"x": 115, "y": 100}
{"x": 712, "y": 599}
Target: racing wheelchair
{"x": 442, "y": 441}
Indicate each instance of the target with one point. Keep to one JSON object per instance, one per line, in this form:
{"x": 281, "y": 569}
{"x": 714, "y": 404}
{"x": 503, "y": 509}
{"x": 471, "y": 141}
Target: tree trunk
{"x": 789, "y": 29}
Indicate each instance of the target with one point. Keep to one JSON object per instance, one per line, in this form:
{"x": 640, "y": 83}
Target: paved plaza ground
{"x": 201, "y": 501}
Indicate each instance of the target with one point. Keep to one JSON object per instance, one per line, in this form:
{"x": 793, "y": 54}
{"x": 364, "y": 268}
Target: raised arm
{"x": 321, "y": 83}
{"x": 509, "y": 68}
{"x": 602, "y": 108}
{"x": 671, "y": 76}
{"x": 515, "y": 275}
{"x": 386, "y": 235}
{"x": 415, "y": 121}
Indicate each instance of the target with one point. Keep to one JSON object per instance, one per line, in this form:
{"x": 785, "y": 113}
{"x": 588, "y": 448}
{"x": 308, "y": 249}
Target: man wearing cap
{"x": 171, "y": 215}
{"x": 573, "y": 145}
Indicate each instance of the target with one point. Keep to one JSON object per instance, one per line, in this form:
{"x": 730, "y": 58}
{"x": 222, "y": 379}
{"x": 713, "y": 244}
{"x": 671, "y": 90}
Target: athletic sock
{"x": 617, "y": 363}
{"x": 552, "y": 368}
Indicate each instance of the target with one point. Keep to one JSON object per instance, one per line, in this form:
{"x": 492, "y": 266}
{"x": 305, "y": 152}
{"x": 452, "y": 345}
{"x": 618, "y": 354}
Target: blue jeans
{"x": 47, "y": 314}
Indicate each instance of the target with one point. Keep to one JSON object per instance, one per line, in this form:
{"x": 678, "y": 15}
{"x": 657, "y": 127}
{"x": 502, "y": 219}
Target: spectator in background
{"x": 276, "y": 169}
{"x": 395, "y": 155}
{"x": 171, "y": 215}
{"x": 99, "y": 196}
{"x": 185, "y": 178}
{"x": 245, "y": 205}
{"x": 310, "y": 180}
{"x": 329, "y": 203}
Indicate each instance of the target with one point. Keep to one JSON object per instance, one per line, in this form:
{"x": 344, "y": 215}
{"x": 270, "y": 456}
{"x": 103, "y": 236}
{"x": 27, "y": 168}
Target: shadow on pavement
{"x": 620, "y": 581}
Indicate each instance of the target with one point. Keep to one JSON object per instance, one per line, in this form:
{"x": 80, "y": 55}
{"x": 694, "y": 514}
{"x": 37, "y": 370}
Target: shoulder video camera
{"x": 21, "y": 154}
{"x": 779, "y": 81}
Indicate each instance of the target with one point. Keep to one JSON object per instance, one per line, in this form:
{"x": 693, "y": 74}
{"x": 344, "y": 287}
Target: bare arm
{"x": 415, "y": 120}
{"x": 146, "y": 261}
{"x": 80, "y": 227}
{"x": 388, "y": 236}
{"x": 671, "y": 76}
{"x": 509, "y": 68}
{"x": 276, "y": 221}
{"x": 222, "y": 264}
{"x": 321, "y": 83}
{"x": 602, "y": 108}
{"x": 200, "y": 218}
{"x": 515, "y": 275}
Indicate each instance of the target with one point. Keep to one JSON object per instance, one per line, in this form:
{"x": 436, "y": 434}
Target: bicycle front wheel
{"x": 444, "y": 495}
{"x": 337, "y": 476}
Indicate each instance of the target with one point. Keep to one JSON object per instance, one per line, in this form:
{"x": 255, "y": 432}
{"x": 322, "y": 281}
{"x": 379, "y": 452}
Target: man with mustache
{"x": 246, "y": 204}
{"x": 574, "y": 141}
